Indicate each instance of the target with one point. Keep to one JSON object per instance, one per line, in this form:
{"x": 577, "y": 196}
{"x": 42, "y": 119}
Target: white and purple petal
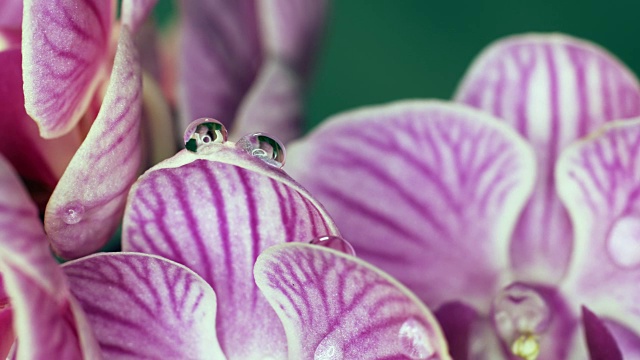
{"x": 599, "y": 183}
{"x": 553, "y": 89}
{"x": 427, "y": 191}
{"x": 45, "y": 318}
{"x": 89, "y": 200}
{"x": 334, "y": 306}
{"x": 142, "y": 306}
{"x": 64, "y": 46}
{"x": 216, "y": 214}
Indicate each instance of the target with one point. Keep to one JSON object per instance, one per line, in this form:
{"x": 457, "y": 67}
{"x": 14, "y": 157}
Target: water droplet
{"x": 623, "y": 242}
{"x": 328, "y": 349}
{"x": 520, "y": 309}
{"x": 72, "y": 213}
{"x": 335, "y": 243}
{"x": 264, "y": 147}
{"x": 203, "y": 132}
{"x": 414, "y": 339}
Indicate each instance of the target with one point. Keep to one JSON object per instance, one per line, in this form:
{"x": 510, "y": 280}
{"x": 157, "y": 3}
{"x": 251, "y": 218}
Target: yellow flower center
{"x": 526, "y": 346}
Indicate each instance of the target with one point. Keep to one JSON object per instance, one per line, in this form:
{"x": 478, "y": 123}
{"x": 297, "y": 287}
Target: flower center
{"x": 520, "y": 315}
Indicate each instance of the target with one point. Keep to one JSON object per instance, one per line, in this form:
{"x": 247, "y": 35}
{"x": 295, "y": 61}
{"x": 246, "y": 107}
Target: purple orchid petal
{"x": 219, "y": 59}
{"x": 599, "y": 182}
{"x": 64, "y": 48}
{"x": 145, "y": 307}
{"x": 135, "y": 12}
{"x": 553, "y": 89}
{"x": 216, "y": 214}
{"x": 601, "y": 344}
{"x": 427, "y": 191}
{"x": 334, "y": 306}
{"x": 11, "y": 14}
{"x": 44, "y": 316}
{"x": 272, "y": 105}
{"x": 291, "y": 30}
{"x": 10, "y": 38}
{"x": 89, "y": 200}
{"x": 457, "y": 320}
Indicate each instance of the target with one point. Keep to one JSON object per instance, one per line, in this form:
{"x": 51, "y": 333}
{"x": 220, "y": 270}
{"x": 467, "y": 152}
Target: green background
{"x": 376, "y": 51}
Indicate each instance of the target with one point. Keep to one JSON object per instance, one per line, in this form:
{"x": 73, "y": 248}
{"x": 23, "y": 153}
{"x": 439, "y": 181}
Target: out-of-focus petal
{"x": 553, "y": 89}
{"x": 87, "y": 204}
{"x": 291, "y": 30}
{"x": 599, "y": 182}
{"x": 273, "y": 105}
{"x": 427, "y": 191}
{"x": 142, "y": 306}
{"x": 219, "y": 57}
{"x": 600, "y": 342}
{"x": 216, "y": 214}
{"x": 11, "y": 14}
{"x": 64, "y": 48}
{"x": 135, "y": 12}
{"x": 9, "y": 38}
{"x": 457, "y": 321}
{"x": 44, "y": 317}
{"x": 334, "y": 306}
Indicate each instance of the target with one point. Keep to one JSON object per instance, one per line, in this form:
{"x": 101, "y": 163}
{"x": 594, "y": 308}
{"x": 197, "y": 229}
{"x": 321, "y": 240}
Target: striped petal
{"x": 599, "y": 182}
{"x": 135, "y": 12}
{"x": 292, "y": 29}
{"x": 273, "y": 105}
{"x": 89, "y": 200}
{"x": 553, "y": 89}
{"x": 334, "y": 306}
{"x": 427, "y": 191}
{"x": 216, "y": 214}
{"x": 145, "y": 307}
{"x": 219, "y": 58}
{"x": 45, "y": 318}
{"x": 64, "y": 48}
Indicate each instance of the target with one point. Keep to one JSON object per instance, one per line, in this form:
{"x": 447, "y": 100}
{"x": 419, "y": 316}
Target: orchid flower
{"x": 517, "y": 221}
{"x": 245, "y": 62}
{"x": 67, "y": 58}
{"x": 215, "y": 211}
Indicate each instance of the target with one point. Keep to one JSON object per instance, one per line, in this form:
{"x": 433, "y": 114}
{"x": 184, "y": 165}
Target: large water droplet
{"x": 520, "y": 309}
{"x": 328, "y": 349}
{"x": 72, "y": 213}
{"x": 264, "y": 147}
{"x": 203, "y": 132}
{"x": 414, "y": 340}
{"x": 335, "y": 243}
{"x": 623, "y": 243}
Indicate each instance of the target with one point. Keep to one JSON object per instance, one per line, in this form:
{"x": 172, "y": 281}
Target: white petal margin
{"x": 553, "y": 89}
{"x": 89, "y": 200}
{"x": 146, "y": 307}
{"x": 335, "y": 306}
{"x": 45, "y": 317}
{"x": 427, "y": 191}
{"x": 215, "y": 213}
{"x": 599, "y": 183}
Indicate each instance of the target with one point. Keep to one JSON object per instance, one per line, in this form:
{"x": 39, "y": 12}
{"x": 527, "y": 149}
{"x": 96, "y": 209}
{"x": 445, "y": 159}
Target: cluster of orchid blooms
{"x": 504, "y": 224}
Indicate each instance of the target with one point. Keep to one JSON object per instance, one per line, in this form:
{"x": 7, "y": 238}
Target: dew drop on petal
{"x": 264, "y": 147}
{"x": 414, "y": 340}
{"x": 203, "y": 132}
{"x": 623, "y": 243}
{"x": 327, "y": 349}
{"x": 72, "y": 213}
{"x": 335, "y": 243}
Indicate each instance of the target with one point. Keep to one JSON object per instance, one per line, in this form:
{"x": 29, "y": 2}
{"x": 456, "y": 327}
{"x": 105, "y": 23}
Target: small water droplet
{"x": 264, "y": 147}
{"x": 72, "y": 213}
{"x": 623, "y": 243}
{"x": 335, "y": 243}
{"x": 328, "y": 349}
{"x": 203, "y": 132}
{"x": 414, "y": 339}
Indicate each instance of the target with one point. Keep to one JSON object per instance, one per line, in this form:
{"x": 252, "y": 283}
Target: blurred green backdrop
{"x": 377, "y": 51}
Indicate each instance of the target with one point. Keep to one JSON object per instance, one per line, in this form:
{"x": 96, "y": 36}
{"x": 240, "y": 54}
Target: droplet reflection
{"x": 203, "y": 132}
{"x": 264, "y": 147}
{"x": 328, "y": 349}
{"x": 414, "y": 340}
{"x": 335, "y": 243}
{"x": 72, "y": 213}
